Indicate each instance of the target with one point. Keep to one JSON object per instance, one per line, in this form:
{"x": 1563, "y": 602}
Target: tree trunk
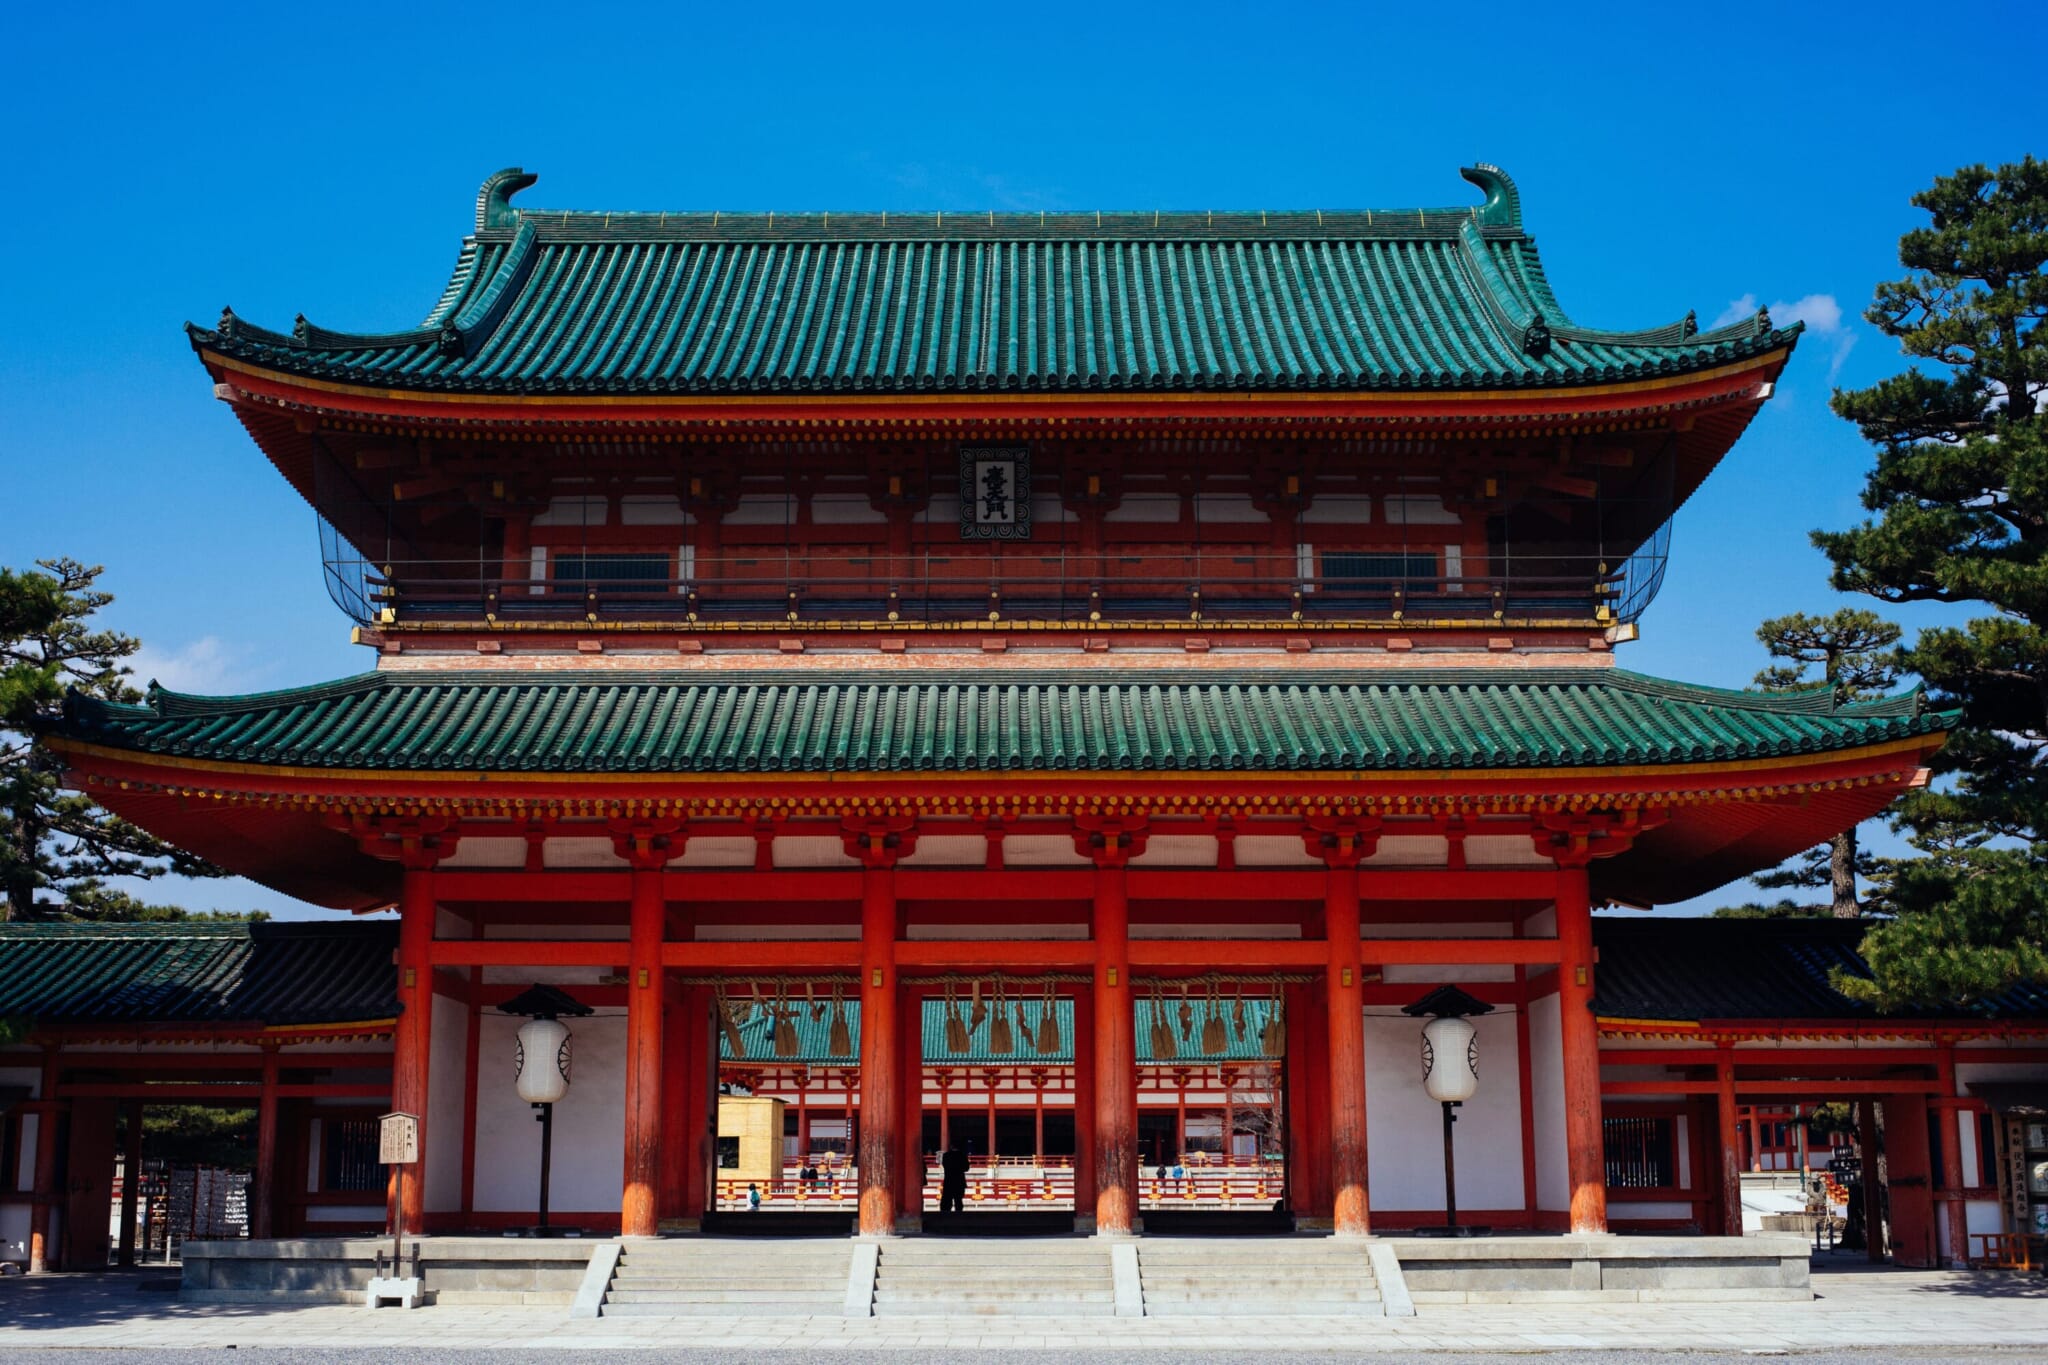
{"x": 1842, "y": 870}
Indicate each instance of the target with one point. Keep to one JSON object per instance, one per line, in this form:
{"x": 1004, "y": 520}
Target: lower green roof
{"x": 1326, "y": 720}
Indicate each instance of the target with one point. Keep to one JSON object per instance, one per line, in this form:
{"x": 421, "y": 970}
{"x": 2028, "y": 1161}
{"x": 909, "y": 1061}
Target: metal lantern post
{"x": 541, "y": 1067}
{"x": 1450, "y": 1073}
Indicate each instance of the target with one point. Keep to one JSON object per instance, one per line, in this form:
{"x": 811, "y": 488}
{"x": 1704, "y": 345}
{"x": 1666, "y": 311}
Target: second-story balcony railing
{"x": 964, "y": 589}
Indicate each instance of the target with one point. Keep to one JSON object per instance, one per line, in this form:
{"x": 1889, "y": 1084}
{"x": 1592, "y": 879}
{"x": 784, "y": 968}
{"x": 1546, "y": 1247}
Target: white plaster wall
{"x": 493, "y": 852}
{"x": 446, "y": 1080}
{"x": 1178, "y": 850}
{"x": 1984, "y": 1215}
{"x": 1404, "y": 1126}
{"x": 14, "y": 1220}
{"x": 1546, "y": 1101}
{"x": 581, "y": 852}
{"x": 589, "y": 1156}
{"x": 810, "y": 850}
{"x": 1272, "y": 850}
{"x": 948, "y": 850}
{"x": 1041, "y": 850}
{"x": 716, "y": 850}
{"x": 1410, "y": 850}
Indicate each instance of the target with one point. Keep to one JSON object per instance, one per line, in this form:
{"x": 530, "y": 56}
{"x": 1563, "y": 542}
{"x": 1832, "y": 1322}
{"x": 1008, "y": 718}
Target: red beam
{"x": 212, "y": 1061}
{"x": 763, "y": 955}
{"x": 1004, "y": 954}
{"x": 1865, "y": 1057}
{"x": 1814, "y": 1087}
{"x": 516, "y": 952}
{"x": 187, "y": 1092}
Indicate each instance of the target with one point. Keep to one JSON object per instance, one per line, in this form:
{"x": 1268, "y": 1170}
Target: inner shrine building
{"x": 1059, "y": 685}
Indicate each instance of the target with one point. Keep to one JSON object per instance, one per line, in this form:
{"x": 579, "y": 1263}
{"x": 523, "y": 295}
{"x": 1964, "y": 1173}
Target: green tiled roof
{"x": 270, "y": 974}
{"x": 1025, "y": 721}
{"x": 717, "y": 303}
{"x": 814, "y": 1041}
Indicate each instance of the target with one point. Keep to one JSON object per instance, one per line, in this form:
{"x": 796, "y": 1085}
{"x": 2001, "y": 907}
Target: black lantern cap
{"x": 545, "y": 1002}
{"x": 1447, "y": 1002}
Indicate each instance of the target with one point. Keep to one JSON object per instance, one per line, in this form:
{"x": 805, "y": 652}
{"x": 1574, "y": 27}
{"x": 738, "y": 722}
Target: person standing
{"x": 953, "y": 1180}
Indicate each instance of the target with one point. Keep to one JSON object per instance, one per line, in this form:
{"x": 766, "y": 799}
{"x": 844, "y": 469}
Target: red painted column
{"x": 698, "y": 1079}
{"x": 1084, "y": 1111}
{"x": 1873, "y": 1197}
{"x": 1946, "y": 1113}
{"x": 1585, "y": 1140}
{"x": 472, "y": 1051}
{"x": 1116, "y": 1062}
{"x": 48, "y": 1111}
{"x": 646, "y": 993}
{"x": 1307, "y": 1121}
{"x": 1730, "y": 1146}
{"x": 1350, "y": 1205}
{"x": 880, "y": 1082}
{"x": 262, "y": 1215}
{"x": 131, "y": 1179}
{"x": 910, "y": 1124}
{"x": 412, "y": 1037}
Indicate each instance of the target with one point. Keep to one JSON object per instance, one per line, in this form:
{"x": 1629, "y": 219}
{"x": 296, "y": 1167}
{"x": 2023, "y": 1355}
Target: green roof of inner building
{"x": 814, "y": 1034}
{"x": 566, "y": 303}
{"x": 819, "y": 721}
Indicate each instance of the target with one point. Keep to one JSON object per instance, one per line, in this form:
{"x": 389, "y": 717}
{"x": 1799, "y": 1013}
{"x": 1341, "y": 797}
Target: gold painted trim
{"x": 1915, "y": 744}
{"x": 883, "y": 401}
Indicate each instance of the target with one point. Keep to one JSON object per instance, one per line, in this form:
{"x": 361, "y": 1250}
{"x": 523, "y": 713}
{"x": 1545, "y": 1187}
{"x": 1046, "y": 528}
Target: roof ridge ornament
{"x": 494, "y": 200}
{"x": 1503, "y": 206}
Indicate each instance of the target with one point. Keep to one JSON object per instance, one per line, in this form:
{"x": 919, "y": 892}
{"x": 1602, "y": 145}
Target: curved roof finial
{"x": 1503, "y": 206}
{"x": 494, "y": 200}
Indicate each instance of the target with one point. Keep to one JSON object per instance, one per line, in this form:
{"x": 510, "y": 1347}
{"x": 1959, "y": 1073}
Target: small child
{"x": 753, "y": 1198}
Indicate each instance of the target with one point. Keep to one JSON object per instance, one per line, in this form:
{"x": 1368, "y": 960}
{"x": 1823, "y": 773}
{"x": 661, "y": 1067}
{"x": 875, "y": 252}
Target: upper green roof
{"x": 717, "y": 303}
{"x": 817, "y": 721}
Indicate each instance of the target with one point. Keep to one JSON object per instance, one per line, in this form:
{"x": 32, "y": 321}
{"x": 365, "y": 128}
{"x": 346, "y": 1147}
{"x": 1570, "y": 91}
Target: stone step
{"x": 779, "y": 1308}
{"x": 953, "y": 1309}
{"x": 1212, "y": 1308}
{"x": 1098, "y": 1294}
{"x": 696, "y": 1294}
{"x": 733, "y": 1284}
{"x": 1245, "y": 1286}
{"x": 1165, "y": 1292}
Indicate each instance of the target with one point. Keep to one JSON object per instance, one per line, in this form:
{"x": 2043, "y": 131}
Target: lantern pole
{"x": 1450, "y": 1172}
{"x": 543, "y": 1074}
{"x": 1450, "y": 1075}
{"x": 547, "y": 1152}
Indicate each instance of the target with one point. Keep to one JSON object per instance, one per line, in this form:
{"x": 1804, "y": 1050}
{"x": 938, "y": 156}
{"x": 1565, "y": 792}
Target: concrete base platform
{"x": 1604, "y": 1269}
{"x": 488, "y": 1271}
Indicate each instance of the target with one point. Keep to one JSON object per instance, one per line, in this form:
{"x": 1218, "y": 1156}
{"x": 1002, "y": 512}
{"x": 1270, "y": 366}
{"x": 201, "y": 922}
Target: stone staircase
{"x": 979, "y": 1277}
{"x": 721, "y": 1277}
{"x": 1268, "y": 1277}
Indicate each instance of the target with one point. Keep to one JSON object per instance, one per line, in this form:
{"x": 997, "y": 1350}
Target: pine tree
{"x": 52, "y": 839}
{"x": 1959, "y": 497}
{"x": 1855, "y": 651}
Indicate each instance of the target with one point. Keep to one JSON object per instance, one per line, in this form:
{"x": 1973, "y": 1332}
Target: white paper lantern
{"x": 1450, "y": 1059}
{"x": 543, "y": 1061}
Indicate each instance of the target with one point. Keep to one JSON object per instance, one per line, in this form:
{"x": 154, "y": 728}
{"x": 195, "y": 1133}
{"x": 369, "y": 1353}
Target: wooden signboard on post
{"x": 398, "y": 1139}
{"x": 398, "y": 1146}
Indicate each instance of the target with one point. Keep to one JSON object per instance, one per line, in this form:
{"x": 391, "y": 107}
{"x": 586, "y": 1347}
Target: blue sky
{"x": 165, "y": 160}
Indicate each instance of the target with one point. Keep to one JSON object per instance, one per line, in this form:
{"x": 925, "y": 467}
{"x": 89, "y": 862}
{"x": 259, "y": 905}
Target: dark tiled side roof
{"x": 714, "y": 303}
{"x": 681, "y": 722}
{"x": 267, "y": 973}
{"x": 1702, "y": 969}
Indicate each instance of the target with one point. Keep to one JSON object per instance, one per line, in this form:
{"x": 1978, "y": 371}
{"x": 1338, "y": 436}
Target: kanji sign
{"x": 995, "y": 493}
{"x": 398, "y": 1139}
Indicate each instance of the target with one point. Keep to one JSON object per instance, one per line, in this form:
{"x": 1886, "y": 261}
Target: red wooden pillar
{"x": 910, "y": 1126}
{"x": 1084, "y": 1111}
{"x": 1946, "y": 1111}
{"x": 878, "y": 844}
{"x": 1873, "y": 1201}
{"x": 1308, "y": 1072}
{"x": 472, "y": 1052}
{"x": 412, "y": 1037}
{"x": 646, "y": 993}
{"x": 1909, "y": 1171}
{"x": 1729, "y": 1147}
{"x": 1116, "y": 1063}
{"x": 43, "y": 1194}
{"x": 698, "y": 1079}
{"x": 131, "y": 1177}
{"x": 1585, "y": 1140}
{"x": 263, "y": 1214}
{"x": 1350, "y": 1205}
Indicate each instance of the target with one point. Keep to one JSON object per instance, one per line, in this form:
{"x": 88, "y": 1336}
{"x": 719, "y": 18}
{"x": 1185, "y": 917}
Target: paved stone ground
{"x": 1905, "y": 1314}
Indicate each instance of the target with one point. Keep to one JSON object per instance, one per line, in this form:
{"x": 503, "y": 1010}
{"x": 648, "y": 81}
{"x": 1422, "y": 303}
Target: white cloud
{"x": 204, "y": 665}
{"x": 1821, "y": 313}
